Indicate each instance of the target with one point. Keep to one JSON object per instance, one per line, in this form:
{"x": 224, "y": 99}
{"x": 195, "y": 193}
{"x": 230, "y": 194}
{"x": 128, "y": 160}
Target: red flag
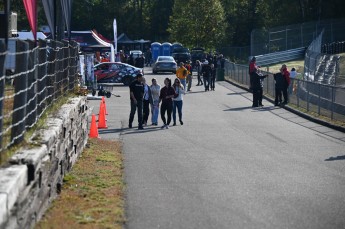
{"x": 31, "y": 11}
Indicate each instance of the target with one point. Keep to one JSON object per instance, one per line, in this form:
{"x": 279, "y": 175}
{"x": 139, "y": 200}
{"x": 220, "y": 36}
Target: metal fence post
{"x": 42, "y": 77}
{"x": 20, "y": 98}
{"x": 2, "y": 87}
{"x": 32, "y": 82}
{"x": 332, "y": 104}
{"x": 319, "y": 103}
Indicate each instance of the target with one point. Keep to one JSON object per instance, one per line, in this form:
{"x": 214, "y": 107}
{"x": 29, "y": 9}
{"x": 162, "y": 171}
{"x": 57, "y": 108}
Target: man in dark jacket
{"x": 279, "y": 87}
{"x": 136, "y": 89}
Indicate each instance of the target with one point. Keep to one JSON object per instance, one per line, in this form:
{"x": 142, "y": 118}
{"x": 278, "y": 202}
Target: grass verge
{"x": 92, "y": 193}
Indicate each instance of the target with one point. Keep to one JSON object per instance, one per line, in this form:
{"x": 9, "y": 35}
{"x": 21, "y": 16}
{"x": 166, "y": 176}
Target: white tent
{"x": 30, "y": 36}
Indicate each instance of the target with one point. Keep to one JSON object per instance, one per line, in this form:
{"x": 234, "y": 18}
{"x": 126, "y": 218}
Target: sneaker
{"x": 140, "y": 128}
{"x": 163, "y": 126}
{"x": 166, "y": 127}
{"x": 174, "y": 124}
{"x": 181, "y": 122}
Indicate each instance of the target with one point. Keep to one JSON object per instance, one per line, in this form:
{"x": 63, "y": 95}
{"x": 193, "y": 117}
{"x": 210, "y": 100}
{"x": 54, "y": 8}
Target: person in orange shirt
{"x": 182, "y": 74}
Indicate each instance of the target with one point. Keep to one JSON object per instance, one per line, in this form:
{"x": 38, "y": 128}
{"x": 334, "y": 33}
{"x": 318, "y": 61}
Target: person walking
{"x": 155, "y": 90}
{"x": 213, "y": 77}
{"x": 189, "y": 75}
{"x": 286, "y": 75}
{"x": 147, "y": 100}
{"x": 178, "y": 101}
{"x": 167, "y": 93}
{"x": 198, "y": 70}
{"x": 136, "y": 89}
{"x": 206, "y": 72}
{"x": 182, "y": 73}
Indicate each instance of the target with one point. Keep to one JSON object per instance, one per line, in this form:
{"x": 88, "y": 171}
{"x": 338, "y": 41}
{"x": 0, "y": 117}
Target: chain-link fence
{"x": 32, "y": 78}
{"x": 325, "y": 100}
{"x": 283, "y": 38}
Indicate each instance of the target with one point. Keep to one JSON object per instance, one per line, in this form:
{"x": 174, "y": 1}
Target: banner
{"x": 49, "y": 11}
{"x": 31, "y": 12}
{"x": 115, "y": 36}
{"x": 66, "y": 6}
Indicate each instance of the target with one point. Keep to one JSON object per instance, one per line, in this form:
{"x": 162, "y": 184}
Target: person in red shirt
{"x": 286, "y": 75}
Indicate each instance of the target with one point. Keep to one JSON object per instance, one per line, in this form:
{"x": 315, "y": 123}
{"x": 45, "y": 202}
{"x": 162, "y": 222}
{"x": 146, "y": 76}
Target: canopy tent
{"x": 90, "y": 41}
{"x": 30, "y": 36}
{"x": 124, "y": 42}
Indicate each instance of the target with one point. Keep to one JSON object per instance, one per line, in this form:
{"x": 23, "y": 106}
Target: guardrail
{"x": 278, "y": 57}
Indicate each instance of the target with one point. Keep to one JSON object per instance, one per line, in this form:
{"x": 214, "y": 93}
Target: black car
{"x": 181, "y": 55}
{"x": 197, "y": 54}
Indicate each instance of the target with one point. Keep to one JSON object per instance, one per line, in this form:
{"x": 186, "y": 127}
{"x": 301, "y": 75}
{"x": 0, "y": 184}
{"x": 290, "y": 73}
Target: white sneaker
{"x": 166, "y": 127}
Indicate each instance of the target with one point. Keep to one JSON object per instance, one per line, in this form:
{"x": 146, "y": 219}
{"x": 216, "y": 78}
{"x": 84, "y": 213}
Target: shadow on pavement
{"x": 134, "y": 130}
{"x": 338, "y": 158}
{"x": 109, "y": 131}
{"x": 238, "y": 93}
{"x": 238, "y": 108}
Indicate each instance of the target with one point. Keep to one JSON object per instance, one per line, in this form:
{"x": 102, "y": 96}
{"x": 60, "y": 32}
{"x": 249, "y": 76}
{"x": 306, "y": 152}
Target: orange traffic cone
{"x": 93, "y": 129}
{"x": 105, "y": 107}
{"x": 101, "y": 118}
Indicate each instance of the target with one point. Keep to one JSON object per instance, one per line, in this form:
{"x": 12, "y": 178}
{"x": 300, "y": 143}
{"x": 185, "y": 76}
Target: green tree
{"x": 197, "y": 23}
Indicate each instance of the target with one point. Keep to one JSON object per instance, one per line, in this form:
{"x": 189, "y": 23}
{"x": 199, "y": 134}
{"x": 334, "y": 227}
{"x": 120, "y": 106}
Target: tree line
{"x": 205, "y": 23}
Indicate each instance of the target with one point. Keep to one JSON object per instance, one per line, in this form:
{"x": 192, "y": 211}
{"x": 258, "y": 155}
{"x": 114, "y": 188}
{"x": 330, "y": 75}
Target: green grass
{"x": 92, "y": 193}
{"x": 8, "y": 107}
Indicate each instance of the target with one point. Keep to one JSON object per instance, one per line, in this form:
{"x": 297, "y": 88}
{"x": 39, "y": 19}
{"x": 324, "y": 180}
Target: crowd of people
{"x": 166, "y": 100}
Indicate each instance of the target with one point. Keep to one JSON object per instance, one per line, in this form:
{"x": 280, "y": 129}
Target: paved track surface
{"x": 229, "y": 165}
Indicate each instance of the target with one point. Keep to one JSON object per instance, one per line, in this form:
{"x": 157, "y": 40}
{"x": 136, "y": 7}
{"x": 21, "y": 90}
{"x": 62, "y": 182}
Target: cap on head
{"x": 139, "y": 75}
{"x": 253, "y": 58}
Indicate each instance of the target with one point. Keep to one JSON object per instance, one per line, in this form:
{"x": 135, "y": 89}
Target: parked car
{"x": 115, "y": 72}
{"x": 181, "y": 55}
{"x": 164, "y": 64}
{"x": 197, "y": 54}
{"x": 136, "y": 53}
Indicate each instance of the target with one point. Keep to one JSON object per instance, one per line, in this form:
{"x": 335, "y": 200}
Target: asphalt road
{"x": 229, "y": 165}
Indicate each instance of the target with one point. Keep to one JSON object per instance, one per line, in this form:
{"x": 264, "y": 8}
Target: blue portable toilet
{"x": 156, "y": 50}
{"x": 166, "y": 49}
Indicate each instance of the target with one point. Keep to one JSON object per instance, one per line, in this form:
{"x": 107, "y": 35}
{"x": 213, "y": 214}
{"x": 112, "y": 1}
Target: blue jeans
{"x": 178, "y": 105}
{"x": 183, "y": 82}
{"x": 155, "y": 111}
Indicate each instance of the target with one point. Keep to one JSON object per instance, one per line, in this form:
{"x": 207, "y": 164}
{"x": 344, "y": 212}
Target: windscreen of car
{"x": 165, "y": 59}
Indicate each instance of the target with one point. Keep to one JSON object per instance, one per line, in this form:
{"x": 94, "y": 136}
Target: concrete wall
{"x": 34, "y": 176}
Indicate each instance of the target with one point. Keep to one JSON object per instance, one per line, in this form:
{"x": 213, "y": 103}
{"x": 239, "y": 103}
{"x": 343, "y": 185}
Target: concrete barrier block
{"x": 3, "y": 209}
{"x": 13, "y": 180}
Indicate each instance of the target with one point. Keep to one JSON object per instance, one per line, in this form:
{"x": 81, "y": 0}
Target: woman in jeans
{"x": 166, "y": 95}
{"x": 155, "y": 90}
{"x": 178, "y": 100}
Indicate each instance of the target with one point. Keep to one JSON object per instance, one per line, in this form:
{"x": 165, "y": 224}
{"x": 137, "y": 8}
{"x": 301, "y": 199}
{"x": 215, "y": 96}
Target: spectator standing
{"x": 257, "y": 86}
{"x": 293, "y": 75}
{"x": 198, "y": 70}
{"x": 155, "y": 90}
{"x": 213, "y": 77}
{"x": 279, "y": 87}
{"x": 182, "y": 73}
{"x": 148, "y": 57}
{"x": 178, "y": 101}
{"x": 122, "y": 57}
{"x": 147, "y": 100}
{"x": 286, "y": 75}
{"x": 136, "y": 89}
{"x": 166, "y": 95}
